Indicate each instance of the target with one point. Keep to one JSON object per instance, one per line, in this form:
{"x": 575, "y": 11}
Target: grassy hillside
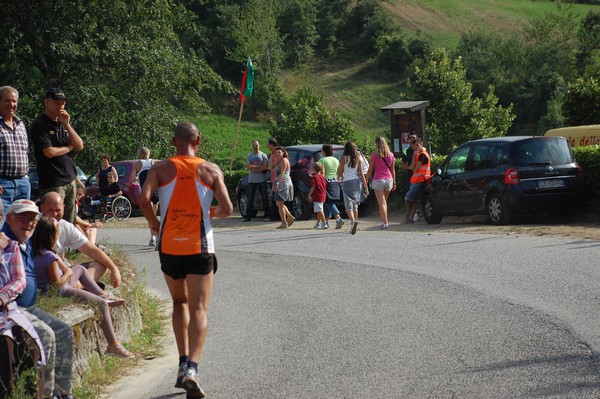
{"x": 351, "y": 88}
{"x": 446, "y": 20}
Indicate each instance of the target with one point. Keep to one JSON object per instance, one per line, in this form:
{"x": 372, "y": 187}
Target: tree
{"x": 256, "y": 35}
{"x": 120, "y": 62}
{"x": 308, "y": 121}
{"x": 297, "y": 26}
{"x": 455, "y": 116}
{"x": 582, "y": 102}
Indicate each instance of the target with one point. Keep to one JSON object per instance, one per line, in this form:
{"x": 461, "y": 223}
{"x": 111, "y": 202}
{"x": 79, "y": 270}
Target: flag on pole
{"x": 247, "y": 81}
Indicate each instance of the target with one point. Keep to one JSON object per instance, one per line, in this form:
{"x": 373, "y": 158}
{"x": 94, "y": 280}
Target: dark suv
{"x": 302, "y": 159}
{"x": 498, "y": 175}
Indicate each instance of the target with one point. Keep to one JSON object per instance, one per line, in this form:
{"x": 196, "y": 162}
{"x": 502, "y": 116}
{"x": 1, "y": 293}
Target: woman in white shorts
{"x": 383, "y": 172}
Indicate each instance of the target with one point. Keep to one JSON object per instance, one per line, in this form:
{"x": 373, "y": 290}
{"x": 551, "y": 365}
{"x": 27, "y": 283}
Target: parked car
{"x": 123, "y": 169}
{"x": 34, "y": 181}
{"x": 500, "y": 175}
{"x": 302, "y": 159}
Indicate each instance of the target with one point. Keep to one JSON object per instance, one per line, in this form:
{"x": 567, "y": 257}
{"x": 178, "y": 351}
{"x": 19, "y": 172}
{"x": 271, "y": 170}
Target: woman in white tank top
{"x": 353, "y": 179}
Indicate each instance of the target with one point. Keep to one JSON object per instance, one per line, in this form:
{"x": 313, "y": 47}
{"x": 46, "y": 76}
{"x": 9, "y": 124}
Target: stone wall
{"x": 88, "y": 337}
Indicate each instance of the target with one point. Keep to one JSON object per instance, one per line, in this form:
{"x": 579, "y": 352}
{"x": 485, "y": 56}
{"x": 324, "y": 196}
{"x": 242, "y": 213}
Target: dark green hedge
{"x": 589, "y": 159}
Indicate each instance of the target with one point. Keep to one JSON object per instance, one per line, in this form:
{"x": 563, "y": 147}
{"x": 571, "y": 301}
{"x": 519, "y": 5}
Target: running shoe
{"x": 191, "y": 384}
{"x": 339, "y": 222}
{"x": 318, "y": 226}
{"x": 180, "y": 374}
{"x": 152, "y": 242}
{"x": 326, "y": 225}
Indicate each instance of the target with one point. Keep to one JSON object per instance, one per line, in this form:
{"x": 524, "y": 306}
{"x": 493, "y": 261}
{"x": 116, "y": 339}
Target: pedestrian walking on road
{"x": 382, "y": 170}
{"x": 283, "y": 189}
{"x": 186, "y": 186}
{"x": 350, "y": 172}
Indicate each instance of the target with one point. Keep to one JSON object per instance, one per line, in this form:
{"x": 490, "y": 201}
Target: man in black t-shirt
{"x": 53, "y": 140}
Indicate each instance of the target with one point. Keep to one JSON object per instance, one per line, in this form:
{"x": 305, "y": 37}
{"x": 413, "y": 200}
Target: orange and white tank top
{"x": 185, "y": 201}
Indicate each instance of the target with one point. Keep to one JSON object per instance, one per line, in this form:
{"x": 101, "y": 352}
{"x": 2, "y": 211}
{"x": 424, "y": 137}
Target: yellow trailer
{"x": 578, "y": 136}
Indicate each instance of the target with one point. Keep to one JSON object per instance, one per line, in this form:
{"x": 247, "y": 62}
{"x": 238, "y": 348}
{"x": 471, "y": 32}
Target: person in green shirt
{"x": 331, "y": 164}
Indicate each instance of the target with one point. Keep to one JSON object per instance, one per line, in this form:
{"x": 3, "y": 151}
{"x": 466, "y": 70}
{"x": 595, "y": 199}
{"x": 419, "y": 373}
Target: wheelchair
{"x": 106, "y": 209}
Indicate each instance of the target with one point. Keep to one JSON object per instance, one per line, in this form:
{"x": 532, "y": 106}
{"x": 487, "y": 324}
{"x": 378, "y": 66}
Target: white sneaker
{"x": 339, "y": 223}
{"x": 326, "y": 225}
{"x": 152, "y": 242}
{"x": 353, "y": 228}
{"x": 318, "y": 226}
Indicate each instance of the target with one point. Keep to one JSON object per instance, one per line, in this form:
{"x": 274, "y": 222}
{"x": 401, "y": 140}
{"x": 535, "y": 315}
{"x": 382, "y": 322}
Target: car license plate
{"x": 551, "y": 183}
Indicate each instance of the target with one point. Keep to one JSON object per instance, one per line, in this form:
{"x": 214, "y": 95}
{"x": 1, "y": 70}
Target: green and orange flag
{"x": 247, "y": 81}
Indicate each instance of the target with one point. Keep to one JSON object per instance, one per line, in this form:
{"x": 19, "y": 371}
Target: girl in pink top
{"x": 383, "y": 172}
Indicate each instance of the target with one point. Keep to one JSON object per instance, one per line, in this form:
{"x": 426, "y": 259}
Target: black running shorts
{"x": 179, "y": 266}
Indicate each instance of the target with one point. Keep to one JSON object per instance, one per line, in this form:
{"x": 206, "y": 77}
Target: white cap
{"x": 23, "y": 205}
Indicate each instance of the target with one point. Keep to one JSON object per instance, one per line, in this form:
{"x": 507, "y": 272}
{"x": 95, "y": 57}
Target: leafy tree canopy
{"x": 582, "y": 102}
{"x": 455, "y": 115}
{"x": 120, "y": 62}
{"x": 308, "y": 121}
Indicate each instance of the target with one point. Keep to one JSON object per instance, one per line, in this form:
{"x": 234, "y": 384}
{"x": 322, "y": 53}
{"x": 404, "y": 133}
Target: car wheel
{"x": 300, "y": 206}
{"x": 499, "y": 212}
{"x": 430, "y": 211}
{"x": 243, "y": 203}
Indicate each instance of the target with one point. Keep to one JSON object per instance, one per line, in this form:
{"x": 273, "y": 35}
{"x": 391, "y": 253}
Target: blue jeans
{"x": 263, "y": 195}
{"x": 14, "y": 189}
{"x": 331, "y": 209}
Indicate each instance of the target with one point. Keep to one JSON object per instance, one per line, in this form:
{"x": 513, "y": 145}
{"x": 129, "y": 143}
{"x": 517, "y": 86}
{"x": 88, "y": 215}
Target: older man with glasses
{"x": 55, "y": 334}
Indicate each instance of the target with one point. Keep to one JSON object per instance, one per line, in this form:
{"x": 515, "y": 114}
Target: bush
{"x": 307, "y": 120}
{"x": 231, "y": 181}
{"x": 589, "y": 159}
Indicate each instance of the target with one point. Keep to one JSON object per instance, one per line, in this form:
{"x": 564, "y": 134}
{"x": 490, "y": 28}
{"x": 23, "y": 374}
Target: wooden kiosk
{"x": 406, "y": 117}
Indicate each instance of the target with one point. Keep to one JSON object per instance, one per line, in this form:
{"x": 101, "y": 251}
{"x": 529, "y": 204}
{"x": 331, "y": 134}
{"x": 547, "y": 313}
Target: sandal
{"x": 119, "y": 351}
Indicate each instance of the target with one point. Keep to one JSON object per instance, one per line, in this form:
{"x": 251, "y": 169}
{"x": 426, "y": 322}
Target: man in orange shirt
{"x": 186, "y": 186}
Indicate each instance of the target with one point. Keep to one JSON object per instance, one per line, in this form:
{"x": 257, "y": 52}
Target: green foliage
{"x": 121, "y": 63}
{"x": 255, "y": 35}
{"x": 297, "y": 26}
{"x": 367, "y": 21}
{"x": 232, "y": 178}
{"x": 455, "y": 116}
{"x": 396, "y": 53}
{"x": 393, "y": 55}
{"x": 588, "y": 158}
{"x": 589, "y": 42}
{"x": 581, "y": 104}
{"x": 307, "y": 120}
{"x": 531, "y": 72}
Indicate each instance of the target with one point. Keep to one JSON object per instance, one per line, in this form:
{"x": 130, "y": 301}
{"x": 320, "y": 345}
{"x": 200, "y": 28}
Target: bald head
{"x": 186, "y": 133}
{"x": 52, "y": 205}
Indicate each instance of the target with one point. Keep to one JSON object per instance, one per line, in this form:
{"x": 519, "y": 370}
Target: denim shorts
{"x": 382, "y": 184}
{"x": 414, "y": 192}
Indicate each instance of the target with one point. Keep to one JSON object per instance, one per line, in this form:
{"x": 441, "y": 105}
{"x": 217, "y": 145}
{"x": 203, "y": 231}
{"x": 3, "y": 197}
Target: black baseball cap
{"x": 56, "y": 94}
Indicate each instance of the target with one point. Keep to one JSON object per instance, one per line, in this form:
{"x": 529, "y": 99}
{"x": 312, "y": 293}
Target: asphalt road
{"x": 323, "y": 314}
